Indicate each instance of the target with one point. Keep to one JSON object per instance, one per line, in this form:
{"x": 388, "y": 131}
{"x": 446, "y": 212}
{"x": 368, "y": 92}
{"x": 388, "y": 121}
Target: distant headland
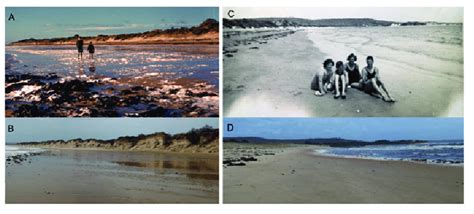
{"x": 332, "y": 142}
{"x": 339, "y": 22}
{"x": 205, "y": 33}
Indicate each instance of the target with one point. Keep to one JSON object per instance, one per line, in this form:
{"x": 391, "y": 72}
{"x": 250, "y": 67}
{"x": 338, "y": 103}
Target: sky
{"x": 40, "y": 129}
{"x": 440, "y": 14}
{"x": 50, "y": 22}
{"x": 348, "y": 128}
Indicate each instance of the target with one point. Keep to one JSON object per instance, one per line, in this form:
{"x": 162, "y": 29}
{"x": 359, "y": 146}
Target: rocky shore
{"x": 241, "y": 154}
{"x": 203, "y": 140}
{"x": 235, "y": 39}
{"x": 20, "y": 158}
{"x": 49, "y": 95}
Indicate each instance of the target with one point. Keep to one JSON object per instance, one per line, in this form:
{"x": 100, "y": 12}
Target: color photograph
{"x": 85, "y": 160}
{"x": 344, "y": 160}
{"x": 343, "y": 62}
{"x": 112, "y": 62}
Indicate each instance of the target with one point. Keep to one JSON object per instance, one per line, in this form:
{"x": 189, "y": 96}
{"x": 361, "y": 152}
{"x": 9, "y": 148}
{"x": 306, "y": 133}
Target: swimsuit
{"x": 369, "y": 87}
{"x": 338, "y": 72}
{"x": 370, "y": 75}
{"x": 315, "y": 82}
{"x": 354, "y": 74}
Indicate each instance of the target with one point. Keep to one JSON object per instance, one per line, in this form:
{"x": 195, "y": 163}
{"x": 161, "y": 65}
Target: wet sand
{"x": 121, "y": 81}
{"x": 96, "y": 96}
{"x": 296, "y": 175}
{"x": 85, "y": 176}
{"x": 268, "y": 76}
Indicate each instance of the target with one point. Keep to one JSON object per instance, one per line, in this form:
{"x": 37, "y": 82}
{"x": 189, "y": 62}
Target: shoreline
{"x": 298, "y": 176}
{"x": 290, "y": 63}
{"x": 316, "y": 153}
{"x": 311, "y": 152}
{"x": 118, "y": 150}
{"x": 147, "y": 96}
{"x": 86, "y": 176}
{"x": 206, "y": 42}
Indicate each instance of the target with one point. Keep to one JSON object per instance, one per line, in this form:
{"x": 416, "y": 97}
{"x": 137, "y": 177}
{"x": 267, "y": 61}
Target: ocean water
{"x": 421, "y": 66}
{"x": 432, "y": 50}
{"x": 12, "y": 150}
{"x": 172, "y": 61}
{"x": 439, "y": 152}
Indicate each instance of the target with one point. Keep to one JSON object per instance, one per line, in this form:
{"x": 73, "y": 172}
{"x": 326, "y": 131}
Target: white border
{"x": 285, "y": 208}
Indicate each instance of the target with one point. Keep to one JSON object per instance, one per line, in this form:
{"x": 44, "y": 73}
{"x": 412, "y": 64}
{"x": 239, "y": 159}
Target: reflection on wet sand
{"x": 198, "y": 169}
{"x": 92, "y": 66}
{"x": 123, "y": 81}
{"x": 97, "y": 176}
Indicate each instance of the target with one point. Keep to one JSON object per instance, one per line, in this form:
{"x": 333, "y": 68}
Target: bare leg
{"x": 390, "y": 99}
{"x": 336, "y": 82}
{"x": 378, "y": 92}
{"x": 344, "y": 85}
{"x": 357, "y": 85}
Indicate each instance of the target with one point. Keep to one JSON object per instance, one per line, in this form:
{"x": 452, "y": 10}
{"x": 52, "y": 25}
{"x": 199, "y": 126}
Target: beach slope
{"x": 297, "y": 175}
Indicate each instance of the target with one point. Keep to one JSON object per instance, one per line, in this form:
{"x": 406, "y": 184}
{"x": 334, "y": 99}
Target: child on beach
{"x": 91, "y": 50}
{"x": 340, "y": 80}
{"x": 321, "y": 82}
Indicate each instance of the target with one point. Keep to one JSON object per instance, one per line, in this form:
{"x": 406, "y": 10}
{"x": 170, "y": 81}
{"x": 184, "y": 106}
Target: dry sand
{"x": 271, "y": 78}
{"x": 296, "y": 175}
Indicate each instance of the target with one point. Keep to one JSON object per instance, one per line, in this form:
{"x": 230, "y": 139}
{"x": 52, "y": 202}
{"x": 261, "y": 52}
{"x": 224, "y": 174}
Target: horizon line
{"x": 134, "y": 32}
{"x": 334, "y": 138}
{"x": 313, "y": 19}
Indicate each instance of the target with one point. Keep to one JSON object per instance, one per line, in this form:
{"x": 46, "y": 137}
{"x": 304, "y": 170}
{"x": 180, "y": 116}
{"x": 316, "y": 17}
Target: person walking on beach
{"x": 80, "y": 47}
{"x": 353, "y": 72}
{"x": 321, "y": 82}
{"x": 372, "y": 84}
{"x": 91, "y": 50}
{"x": 340, "y": 80}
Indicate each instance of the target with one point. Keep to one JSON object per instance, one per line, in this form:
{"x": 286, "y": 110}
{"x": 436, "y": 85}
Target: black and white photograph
{"x": 343, "y": 62}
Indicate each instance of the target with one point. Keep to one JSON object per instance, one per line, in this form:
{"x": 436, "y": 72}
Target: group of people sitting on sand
{"x": 80, "y": 48}
{"x": 348, "y": 75}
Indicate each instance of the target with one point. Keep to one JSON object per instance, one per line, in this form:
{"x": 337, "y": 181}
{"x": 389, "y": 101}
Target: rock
{"x": 247, "y": 159}
{"x": 236, "y": 164}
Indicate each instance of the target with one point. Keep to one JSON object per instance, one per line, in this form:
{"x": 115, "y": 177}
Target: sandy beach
{"x": 294, "y": 174}
{"x": 87, "y": 176}
{"x": 267, "y": 73}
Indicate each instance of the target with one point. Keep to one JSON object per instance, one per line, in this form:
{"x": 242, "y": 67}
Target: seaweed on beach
{"x": 30, "y": 95}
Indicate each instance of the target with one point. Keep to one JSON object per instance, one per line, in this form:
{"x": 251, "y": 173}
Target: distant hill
{"x": 206, "y": 33}
{"x": 203, "y": 140}
{"x": 332, "y": 142}
{"x": 299, "y": 22}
